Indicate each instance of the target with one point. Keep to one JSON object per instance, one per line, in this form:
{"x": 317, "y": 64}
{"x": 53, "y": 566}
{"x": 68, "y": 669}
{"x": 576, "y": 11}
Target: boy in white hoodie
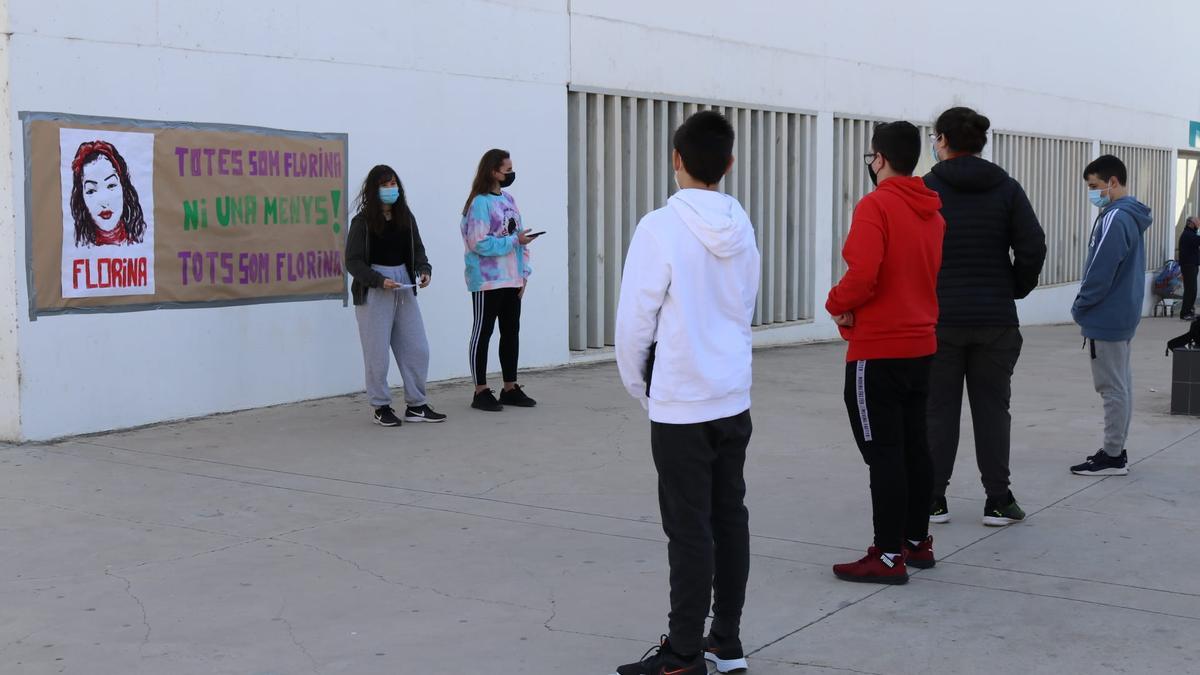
{"x": 683, "y": 347}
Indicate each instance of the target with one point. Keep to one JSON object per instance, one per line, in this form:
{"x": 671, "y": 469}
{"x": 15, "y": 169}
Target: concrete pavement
{"x": 304, "y": 539}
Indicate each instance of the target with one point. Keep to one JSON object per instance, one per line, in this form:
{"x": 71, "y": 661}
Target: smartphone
{"x": 535, "y": 235}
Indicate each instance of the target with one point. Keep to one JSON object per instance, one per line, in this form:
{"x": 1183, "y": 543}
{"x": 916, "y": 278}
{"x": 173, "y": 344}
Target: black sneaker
{"x": 661, "y": 660}
{"x": 724, "y": 653}
{"x": 1002, "y": 511}
{"x": 422, "y": 413}
{"x": 939, "y": 511}
{"x": 486, "y": 400}
{"x": 386, "y": 417}
{"x": 516, "y": 396}
{"x": 1101, "y": 464}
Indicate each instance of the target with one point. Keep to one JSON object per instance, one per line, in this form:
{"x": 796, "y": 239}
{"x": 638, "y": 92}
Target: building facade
{"x": 584, "y": 94}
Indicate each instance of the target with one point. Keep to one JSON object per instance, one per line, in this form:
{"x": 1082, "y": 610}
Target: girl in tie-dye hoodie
{"x": 497, "y": 270}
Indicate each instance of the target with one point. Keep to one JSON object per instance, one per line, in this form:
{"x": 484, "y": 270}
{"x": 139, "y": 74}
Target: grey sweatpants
{"x": 1113, "y": 377}
{"x": 392, "y": 318}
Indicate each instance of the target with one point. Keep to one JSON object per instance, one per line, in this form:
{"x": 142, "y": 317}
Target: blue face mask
{"x": 1098, "y": 198}
{"x": 389, "y": 195}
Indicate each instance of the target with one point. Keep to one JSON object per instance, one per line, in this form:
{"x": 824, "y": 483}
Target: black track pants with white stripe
{"x": 886, "y": 402}
{"x": 503, "y": 304}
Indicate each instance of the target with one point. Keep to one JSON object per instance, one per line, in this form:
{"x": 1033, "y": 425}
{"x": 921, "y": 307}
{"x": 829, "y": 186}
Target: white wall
{"x": 1079, "y": 68}
{"x": 1047, "y": 68}
{"x": 10, "y": 400}
{"x": 427, "y": 98}
{"x": 452, "y": 78}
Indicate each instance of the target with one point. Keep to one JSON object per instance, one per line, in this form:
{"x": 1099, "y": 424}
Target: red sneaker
{"x": 921, "y": 555}
{"x": 874, "y": 568}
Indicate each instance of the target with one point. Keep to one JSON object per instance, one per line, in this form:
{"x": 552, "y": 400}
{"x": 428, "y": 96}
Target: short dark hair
{"x": 964, "y": 129}
{"x": 899, "y": 143}
{"x": 1105, "y": 167}
{"x": 705, "y": 144}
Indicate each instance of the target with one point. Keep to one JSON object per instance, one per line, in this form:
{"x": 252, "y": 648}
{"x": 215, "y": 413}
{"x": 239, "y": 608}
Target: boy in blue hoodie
{"x": 1109, "y": 305}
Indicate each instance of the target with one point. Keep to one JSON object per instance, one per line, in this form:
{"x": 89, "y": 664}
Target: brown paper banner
{"x": 126, "y": 215}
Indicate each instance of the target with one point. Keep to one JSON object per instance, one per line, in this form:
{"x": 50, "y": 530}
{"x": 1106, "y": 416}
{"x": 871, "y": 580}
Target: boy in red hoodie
{"x": 886, "y": 308}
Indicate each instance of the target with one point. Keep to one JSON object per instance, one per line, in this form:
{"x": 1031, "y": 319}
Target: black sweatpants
{"x": 886, "y": 402}
{"x": 985, "y": 359}
{"x": 503, "y": 304}
{"x": 1189, "y": 289}
{"x": 701, "y": 493}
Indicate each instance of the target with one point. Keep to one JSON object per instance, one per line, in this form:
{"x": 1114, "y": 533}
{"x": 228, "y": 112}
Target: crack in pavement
{"x": 106, "y": 516}
{"x": 1076, "y": 492}
{"x": 1033, "y": 594}
{"x": 349, "y": 481}
{"x": 818, "y": 620}
{"x": 1077, "y": 579}
{"x": 18, "y": 641}
{"x": 416, "y": 503}
{"x": 553, "y": 612}
{"x": 449, "y": 494}
{"x": 819, "y": 665}
{"x": 295, "y": 640}
{"x": 436, "y": 591}
{"x": 984, "y": 538}
{"x": 1168, "y": 519}
{"x": 497, "y": 486}
{"x": 141, "y": 606}
{"x": 192, "y": 556}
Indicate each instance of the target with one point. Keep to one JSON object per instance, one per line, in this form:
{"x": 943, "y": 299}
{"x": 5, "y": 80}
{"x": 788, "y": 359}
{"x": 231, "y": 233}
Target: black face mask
{"x": 871, "y": 172}
{"x": 509, "y": 178}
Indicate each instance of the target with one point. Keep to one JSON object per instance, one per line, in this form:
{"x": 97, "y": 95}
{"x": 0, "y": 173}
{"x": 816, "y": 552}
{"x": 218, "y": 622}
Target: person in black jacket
{"x": 1189, "y": 263}
{"x": 386, "y": 258}
{"x": 987, "y": 215}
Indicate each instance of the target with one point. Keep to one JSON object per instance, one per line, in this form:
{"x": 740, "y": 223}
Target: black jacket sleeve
{"x": 356, "y": 255}
{"x": 1189, "y": 247}
{"x": 420, "y": 260}
{"x": 1028, "y": 242}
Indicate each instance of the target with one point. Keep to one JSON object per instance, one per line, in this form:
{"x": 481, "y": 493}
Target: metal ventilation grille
{"x": 1050, "y": 170}
{"x": 851, "y": 182}
{"x": 1149, "y": 181}
{"x": 619, "y": 169}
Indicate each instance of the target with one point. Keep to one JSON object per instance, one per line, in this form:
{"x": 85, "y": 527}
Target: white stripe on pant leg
{"x": 860, "y": 392}
{"x": 480, "y": 307}
{"x": 473, "y": 345}
{"x": 474, "y": 330}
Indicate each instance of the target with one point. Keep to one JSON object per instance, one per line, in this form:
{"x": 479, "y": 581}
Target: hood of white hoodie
{"x": 716, "y": 219}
